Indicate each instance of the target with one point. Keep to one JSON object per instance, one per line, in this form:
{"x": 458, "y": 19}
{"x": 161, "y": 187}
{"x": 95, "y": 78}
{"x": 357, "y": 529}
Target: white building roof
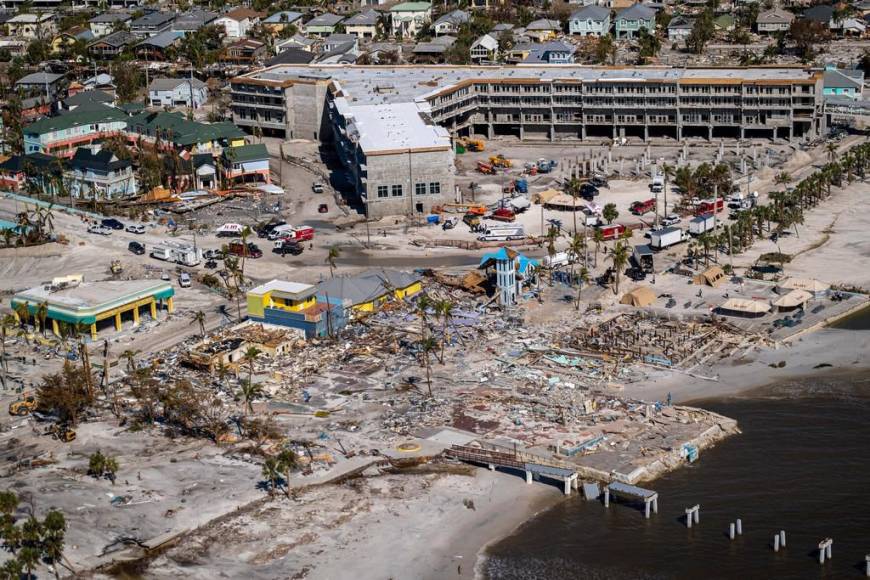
{"x": 391, "y": 127}
{"x": 293, "y": 288}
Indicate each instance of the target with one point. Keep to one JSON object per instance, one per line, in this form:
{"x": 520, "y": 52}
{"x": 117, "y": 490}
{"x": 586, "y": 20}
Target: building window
{"x": 435, "y": 187}
{"x": 397, "y": 191}
{"x": 420, "y": 189}
{"x": 383, "y": 191}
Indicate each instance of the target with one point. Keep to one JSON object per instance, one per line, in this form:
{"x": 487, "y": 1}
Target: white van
{"x": 230, "y": 230}
{"x": 557, "y": 259}
{"x": 184, "y": 280}
{"x": 281, "y": 232}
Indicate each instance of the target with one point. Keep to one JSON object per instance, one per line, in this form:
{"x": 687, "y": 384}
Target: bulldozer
{"x": 24, "y": 406}
{"x": 62, "y": 432}
{"x": 500, "y": 161}
{"x": 116, "y": 268}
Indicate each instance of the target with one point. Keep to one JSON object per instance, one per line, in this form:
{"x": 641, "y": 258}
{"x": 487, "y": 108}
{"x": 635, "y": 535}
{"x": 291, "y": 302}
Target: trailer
{"x": 702, "y": 224}
{"x": 642, "y": 256}
{"x": 500, "y": 233}
{"x": 179, "y": 253}
{"x": 667, "y": 237}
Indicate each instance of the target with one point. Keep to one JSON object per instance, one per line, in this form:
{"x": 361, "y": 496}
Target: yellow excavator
{"x": 24, "y": 406}
{"x": 62, "y": 432}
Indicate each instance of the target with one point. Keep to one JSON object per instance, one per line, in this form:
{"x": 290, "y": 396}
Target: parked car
{"x": 164, "y": 275}
{"x": 211, "y": 264}
{"x": 101, "y": 230}
{"x": 588, "y": 191}
{"x": 317, "y": 187}
{"x": 112, "y": 223}
{"x": 249, "y": 251}
{"x": 136, "y": 229}
{"x": 670, "y": 220}
{"x": 288, "y": 246}
{"x": 212, "y": 255}
{"x": 323, "y": 208}
{"x": 184, "y": 280}
{"x": 136, "y": 248}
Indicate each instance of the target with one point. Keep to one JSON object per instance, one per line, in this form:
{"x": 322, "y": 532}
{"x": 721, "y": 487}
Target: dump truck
{"x": 500, "y": 161}
{"x": 24, "y": 406}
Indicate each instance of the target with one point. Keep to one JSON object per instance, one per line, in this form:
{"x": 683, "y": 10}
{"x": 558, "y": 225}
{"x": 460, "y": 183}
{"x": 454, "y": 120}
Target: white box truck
{"x": 702, "y": 224}
{"x": 492, "y": 233}
{"x": 666, "y": 237}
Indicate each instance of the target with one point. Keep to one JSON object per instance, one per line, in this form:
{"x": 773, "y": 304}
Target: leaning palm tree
{"x": 250, "y": 355}
{"x": 199, "y": 318}
{"x": 249, "y": 391}
{"x": 331, "y": 257}
{"x": 619, "y": 259}
{"x": 428, "y": 345}
{"x": 582, "y": 278}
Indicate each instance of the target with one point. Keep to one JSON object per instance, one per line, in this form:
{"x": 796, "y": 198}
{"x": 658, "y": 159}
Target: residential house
{"x": 849, "y": 27}
{"x": 773, "y": 21}
{"x": 160, "y": 46}
{"x": 630, "y": 21}
{"x": 193, "y": 20}
{"x": 276, "y": 23}
{"x": 433, "y": 51}
{"x": 543, "y": 30}
{"x": 485, "y": 5}
{"x": 484, "y": 49}
{"x": 322, "y": 25}
{"x": 553, "y": 52}
{"x": 244, "y": 51}
{"x": 821, "y": 13}
{"x": 295, "y": 305}
{"x": 291, "y": 55}
{"x": 297, "y": 41}
{"x": 62, "y": 135}
{"x": 843, "y": 83}
{"x": 679, "y": 28}
{"x": 42, "y": 84}
{"x": 177, "y": 93}
{"x": 246, "y": 164}
{"x": 342, "y": 53}
{"x": 175, "y": 132}
{"x": 409, "y": 18}
{"x": 590, "y": 21}
{"x": 236, "y": 23}
{"x": 68, "y": 38}
{"x": 108, "y": 22}
{"x": 334, "y": 41}
{"x": 368, "y": 291}
{"x": 96, "y": 173}
{"x": 206, "y": 171}
{"x": 108, "y": 47}
{"x": 14, "y": 46}
{"x": 451, "y": 22}
{"x": 18, "y": 169}
{"x": 151, "y": 24}
{"x": 519, "y": 52}
{"x": 32, "y": 26}
{"x": 88, "y": 99}
{"x": 362, "y": 25}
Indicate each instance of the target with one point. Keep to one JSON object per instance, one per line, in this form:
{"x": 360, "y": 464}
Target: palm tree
{"x": 575, "y": 250}
{"x": 28, "y": 556}
{"x": 331, "y": 257}
{"x": 6, "y": 324}
{"x": 272, "y": 473}
{"x": 583, "y": 278}
{"x": 573, "y": 189}
{"x": 427, "y": 345}
{"x": 42, "y": 316}
{"x": 445, "y": 310}
{"x": 424, "y": 302}
{"x": 199, "y": 317}
{"x": 598, "y": 238}
{"x": 130, "y": 356}
{"x": 249, "y": 391}
{"x": 250, "y": 355}
{"x": 287, "y": 462}
{"x": 54, "y": 531}
{"x": 619, "y": 258}
{"x": 831, "y": 148}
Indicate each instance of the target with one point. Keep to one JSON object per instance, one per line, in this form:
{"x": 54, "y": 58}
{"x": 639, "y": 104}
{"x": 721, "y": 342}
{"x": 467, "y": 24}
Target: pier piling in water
{"x": 776, "y": 542}
{"x": 867, "y": 562}
{"x": 825, "y": 550}
{"x": 782, "y": 538}
{"x": 731, "y": 530}
{"x": 693, "y": 513}
{"x": 739, "y": 527}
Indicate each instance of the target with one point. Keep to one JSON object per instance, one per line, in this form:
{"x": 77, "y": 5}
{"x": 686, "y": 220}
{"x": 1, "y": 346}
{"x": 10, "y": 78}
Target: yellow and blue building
{"x": 295, "y": 305}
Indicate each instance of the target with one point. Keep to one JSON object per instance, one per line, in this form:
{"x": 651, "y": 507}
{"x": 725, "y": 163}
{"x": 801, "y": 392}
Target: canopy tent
{"x": 639, "y": 297}
{"x": 566, "y": 202}
{"x": 814, "y": 287}
{"x": 792, "y": 300}
{"x": 744, "y": 307}
{"x": 711, "y": 277}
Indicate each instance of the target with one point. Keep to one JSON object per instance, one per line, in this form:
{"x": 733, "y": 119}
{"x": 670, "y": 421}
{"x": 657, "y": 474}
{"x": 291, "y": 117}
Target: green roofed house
{"x": 175, "y": 131}
{"x": 246, "y": 164}
{"x": 409, "y": 18}
{"x": 61, "y": 135}
{"x": 95, "y": 305}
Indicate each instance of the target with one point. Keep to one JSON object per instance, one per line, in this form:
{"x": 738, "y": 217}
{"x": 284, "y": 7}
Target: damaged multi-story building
{"x": 392, "y": 126}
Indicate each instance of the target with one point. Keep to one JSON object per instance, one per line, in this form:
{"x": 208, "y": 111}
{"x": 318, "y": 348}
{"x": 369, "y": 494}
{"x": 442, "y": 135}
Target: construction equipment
{"x": 471, "y": 220}
{"x": 500, "y": 161}
{"x": 485, "y": 168}
{"x": 24, "y": 406}
{"x": 116, "y": 268}
{"x": 475, "y": 145}
{"x": 546, "y": 166}
{"x": 62, "y": 432}
{"x": 504, "y": 215}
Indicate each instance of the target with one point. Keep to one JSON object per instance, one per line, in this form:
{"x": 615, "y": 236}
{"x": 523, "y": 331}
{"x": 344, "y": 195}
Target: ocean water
{"x": 801, "y": 465}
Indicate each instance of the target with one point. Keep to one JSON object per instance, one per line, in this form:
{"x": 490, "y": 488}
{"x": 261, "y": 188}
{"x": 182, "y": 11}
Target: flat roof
{"x": 297, "y": 290}
{"x": 390, "y": 128}
{"x": 381, "y": 85}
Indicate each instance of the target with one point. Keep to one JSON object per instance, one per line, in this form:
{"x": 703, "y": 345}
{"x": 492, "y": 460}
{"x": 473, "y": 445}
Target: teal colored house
{"x": 632, "y": 20}
{"x": 590, "y": 21}
{"x": 843, "y": 83}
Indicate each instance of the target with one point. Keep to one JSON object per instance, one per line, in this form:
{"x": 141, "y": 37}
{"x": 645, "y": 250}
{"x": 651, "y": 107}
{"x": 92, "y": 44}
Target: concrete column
{"x": 646, "y": 509}
{"x": 54, "y": 327}
{"x": 568, "y": 485}
{"x": 679, "y": 132}
{"x": 491, "y": 467}
{"x": 135, "y": 316}
{"x": 94, "y": 331}
{"x": 170, "y": 304}
{"x": 489, "y": 131}
{"x": 655, "y": 504}
{"x": 529, "y": 477}
{"x": 606, "y": 497}
{"x": 709, "y": 132}
{"x": 153, "y": 306}
{"x": 742, "y": 133}
{"x": 552, "y": 133}
{"x": 118, "y": 321}
{"x": 776, "y": 543}
{"x": 646, "y": 133}
{"x": 522, "y": 131}
{"x": 583, "y": 132}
